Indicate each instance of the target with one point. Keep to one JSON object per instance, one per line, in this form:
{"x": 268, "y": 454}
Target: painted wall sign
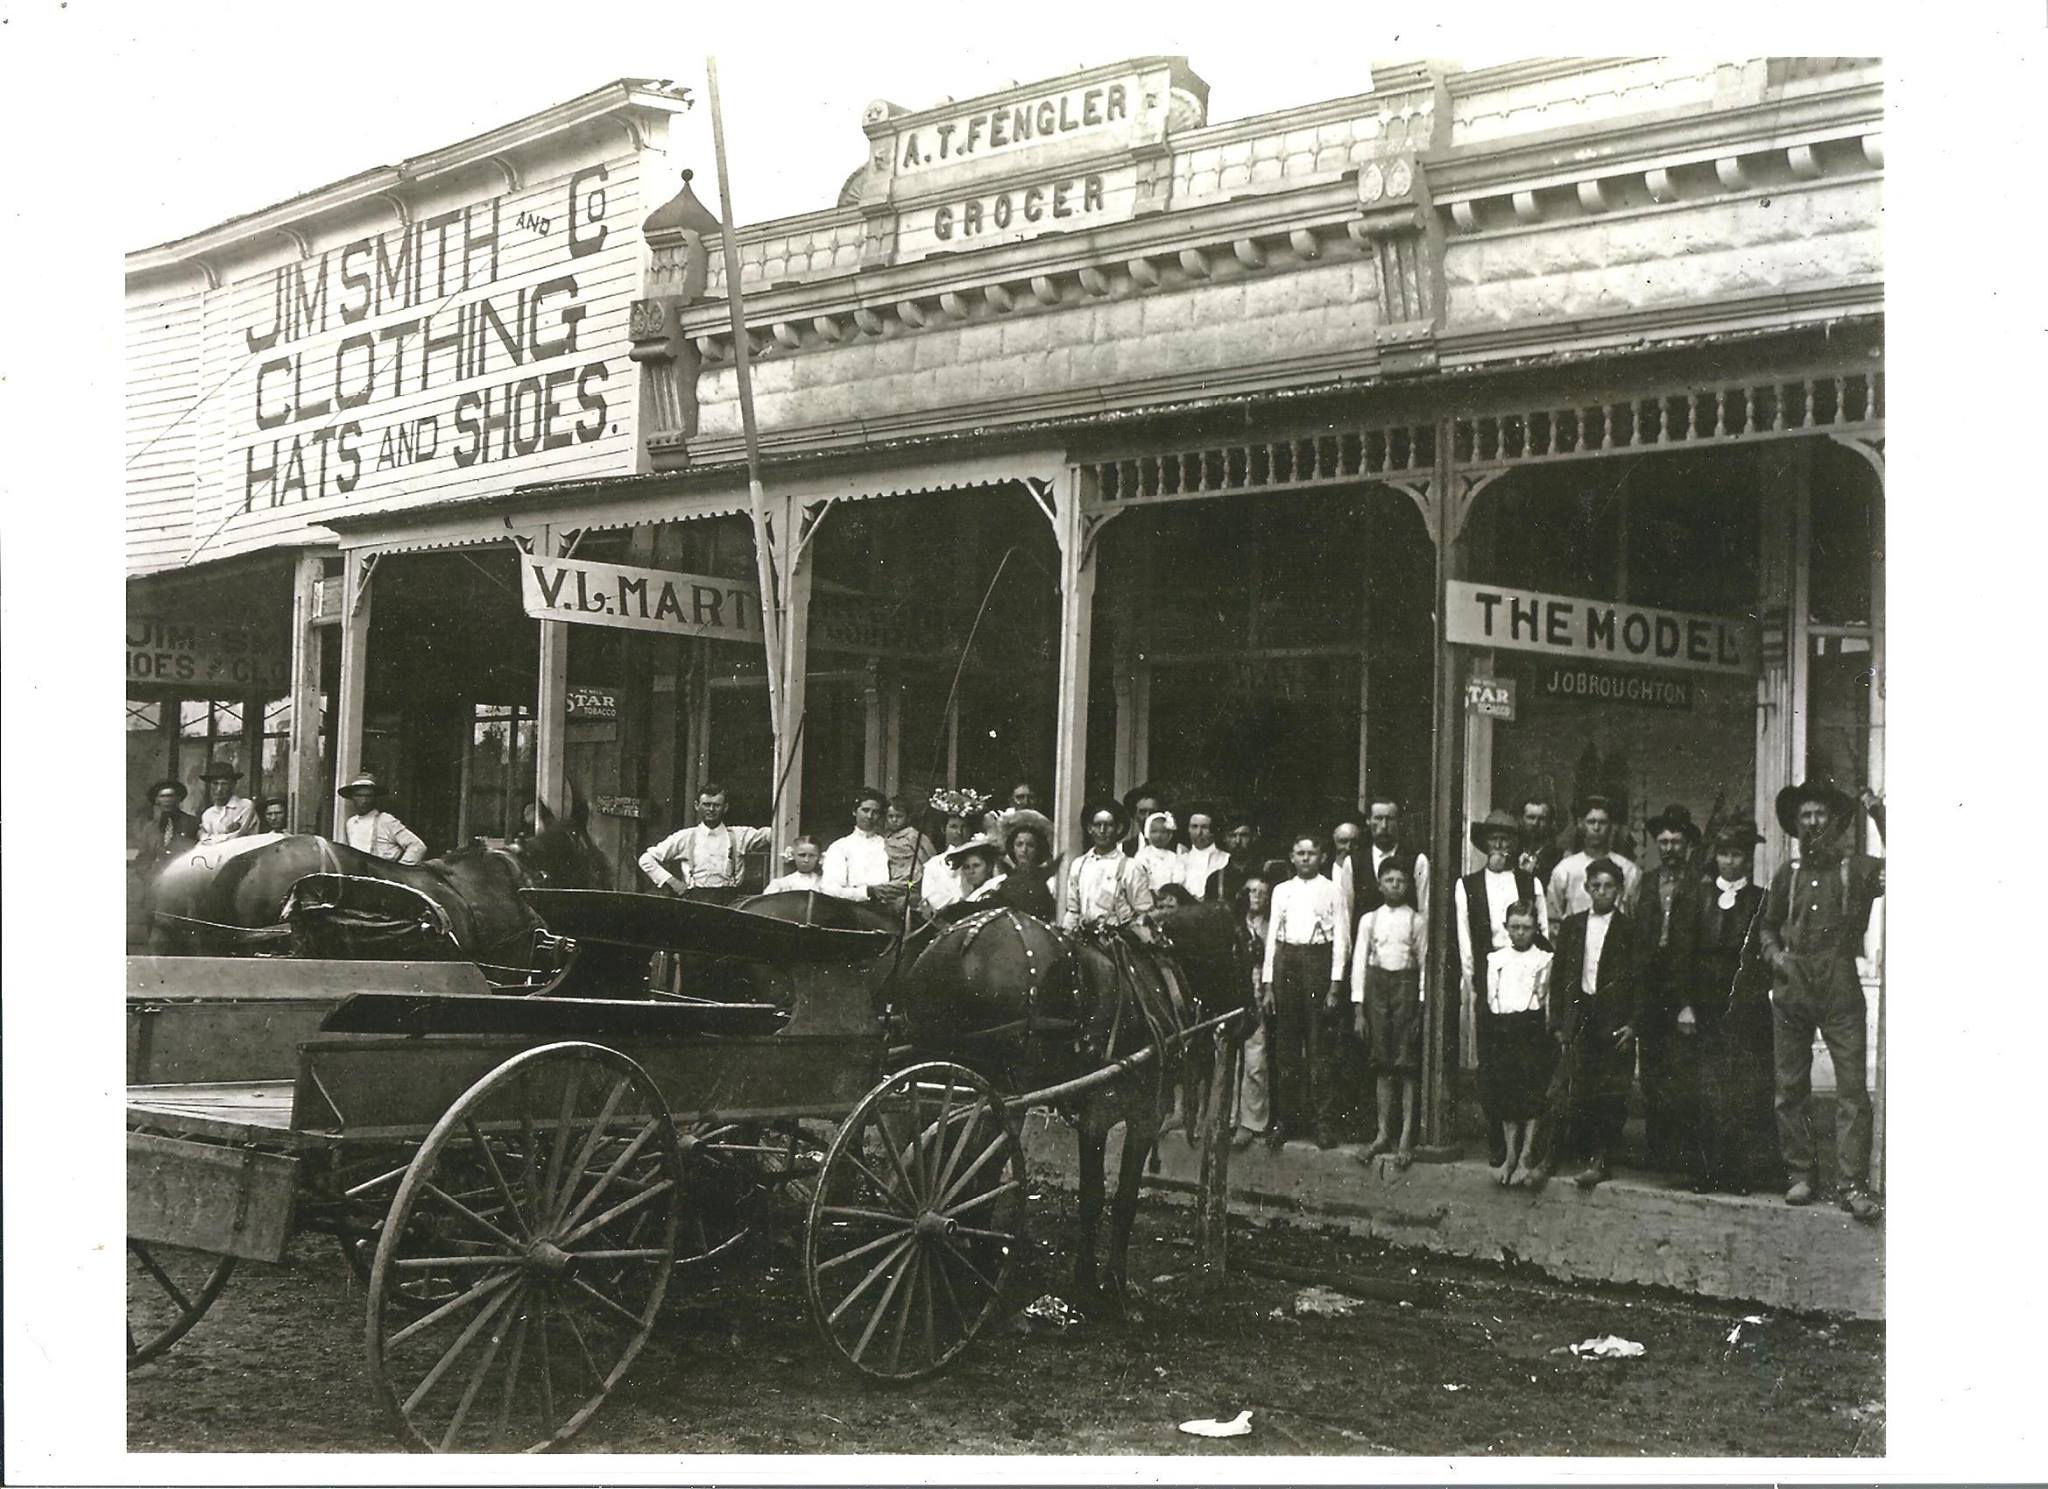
{"x": 1490, "y": 697}
{"x": 1008, "y": 128}
{"x": 1642, "y": 689}
{"x": 1052, "y": 156}
{"x": 618, "y": 806}
{"x": 227, "y": 659}
{"x": 1572, "y": 626}
{"x": 481, "y": 344}
{"x": 675, "y": 604}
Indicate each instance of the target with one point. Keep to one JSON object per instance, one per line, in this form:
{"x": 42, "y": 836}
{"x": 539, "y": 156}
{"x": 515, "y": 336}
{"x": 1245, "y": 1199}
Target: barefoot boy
{"x": 1386, "y": 996}
{"x": 1517, "y": 1061}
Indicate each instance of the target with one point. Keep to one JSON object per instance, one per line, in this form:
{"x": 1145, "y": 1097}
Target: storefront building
{"x": 1481, "y": 436}
{"x": 445, "y": 329}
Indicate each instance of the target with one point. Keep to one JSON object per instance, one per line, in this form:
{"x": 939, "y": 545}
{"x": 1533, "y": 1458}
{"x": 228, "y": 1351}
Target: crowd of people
{"x": 1579, "y": 975}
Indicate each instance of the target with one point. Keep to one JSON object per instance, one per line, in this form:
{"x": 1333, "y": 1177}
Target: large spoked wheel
{"x": 915, "y": 1224}
{"x": 169, "y": 1290}
{"x": 527, "y": 1252}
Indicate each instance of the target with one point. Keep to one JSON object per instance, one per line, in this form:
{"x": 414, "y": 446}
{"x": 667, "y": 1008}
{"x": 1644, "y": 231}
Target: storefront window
{"x": 500, "y": 769}
{"x": 210, "y": 729}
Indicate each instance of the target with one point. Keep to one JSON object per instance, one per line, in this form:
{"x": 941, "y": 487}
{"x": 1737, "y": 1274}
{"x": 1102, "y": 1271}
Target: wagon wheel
{"x": 916, "y": 1223}
{"x": 544, "y": 1209}
{"x": 169, "y": 1290}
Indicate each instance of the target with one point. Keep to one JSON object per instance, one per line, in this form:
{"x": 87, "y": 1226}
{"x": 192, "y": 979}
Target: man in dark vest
{"x": 1668, "y": 910}
{"x": 1480, "y": 909}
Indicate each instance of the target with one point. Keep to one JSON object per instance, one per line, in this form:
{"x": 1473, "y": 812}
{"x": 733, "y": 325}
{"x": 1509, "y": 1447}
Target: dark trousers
{"x": 1600, "y": 1079}
{"x": 1301, "y": 1048}
{"x": 1670, "y": 1070}
{"x": 1820, "y": 994}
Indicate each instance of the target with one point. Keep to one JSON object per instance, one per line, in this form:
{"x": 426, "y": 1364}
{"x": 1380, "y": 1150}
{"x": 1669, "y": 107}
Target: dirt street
{"x": 1480, "y": 1368}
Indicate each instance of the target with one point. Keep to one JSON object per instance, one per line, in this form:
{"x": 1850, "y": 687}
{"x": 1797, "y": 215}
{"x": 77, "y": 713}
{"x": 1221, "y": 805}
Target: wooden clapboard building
{"x": 442, "y": 330}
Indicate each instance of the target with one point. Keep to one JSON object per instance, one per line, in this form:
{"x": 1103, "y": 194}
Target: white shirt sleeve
{"x": 654, "y": 862}
{"x": 410, "y": 849}
{"x": 1361, "y": 955}
{"x": 838, "y": 872}
{"x": 1422, "y": 886}
{"x": 1276, "y": 916}
{"x": 1340, "y": 937}
{"x": 1461, "y": 912}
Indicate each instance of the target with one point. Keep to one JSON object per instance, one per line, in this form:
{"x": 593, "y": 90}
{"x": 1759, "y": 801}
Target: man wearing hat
{"x": 1813, "y": 923}
{"x": 1480, "y": 904}
{"x": 370, "y": 829}
{"x": 1669, "y": 905}
{"x": 163, "y": 831}
{"x": 1104, "y": 886}
{"x": 227, "y": 815}
{"x": 275, "y": 812}
{"x": 1568, "y": 880}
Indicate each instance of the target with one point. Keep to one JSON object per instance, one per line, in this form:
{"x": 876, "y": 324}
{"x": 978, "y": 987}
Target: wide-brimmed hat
{"x": 1496, "y": 821}
{"x": 1741, "y": 836}
{"x": 220, "y": 770}
{"x": 979, "y": 843}
{"x": 363, "y": 782}
{"x": 1674, "y": 818}
{"x": 166, "y": 784}
{"x": 1840, "y": 804}
{"x": 1024, "y": 819}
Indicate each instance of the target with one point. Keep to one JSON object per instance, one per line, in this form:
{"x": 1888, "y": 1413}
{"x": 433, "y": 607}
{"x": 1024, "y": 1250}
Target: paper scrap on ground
{"x": 1323, "y": 1301}
{"x": 1238, "y": 1426}
{"x": 1051, "y": 1312}
{"x": 1449, "y": 1387}
{"x": 1607, "y": 1347}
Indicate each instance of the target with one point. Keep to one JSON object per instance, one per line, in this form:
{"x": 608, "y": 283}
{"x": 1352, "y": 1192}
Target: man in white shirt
{"x": 227, "y": 815}
{"x": 1105, "y": 887}
{"x": 709, "y": 855}
{"x": 857, "y": 865}
{"x": 368, "y": 829}
{"x": 1479, "y": 905}
{"x": 1205, "y": 855}
{"x": 1307, "y": 941}
{"x": 1568, "y": 880}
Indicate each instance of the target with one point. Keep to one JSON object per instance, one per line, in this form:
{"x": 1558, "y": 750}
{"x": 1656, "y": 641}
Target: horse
{"x": 1027, "y": 1007}
{"x": 238, "y": 903}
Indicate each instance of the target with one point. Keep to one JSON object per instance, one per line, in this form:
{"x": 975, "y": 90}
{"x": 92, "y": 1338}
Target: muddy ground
{"x": 1474, "y": 1366}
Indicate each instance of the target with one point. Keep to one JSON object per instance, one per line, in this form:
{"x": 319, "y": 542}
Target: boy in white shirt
{"x": 1519, "y": 1056}
{"x": 1302, "y": 987}
{"x": 1386, "y": 996}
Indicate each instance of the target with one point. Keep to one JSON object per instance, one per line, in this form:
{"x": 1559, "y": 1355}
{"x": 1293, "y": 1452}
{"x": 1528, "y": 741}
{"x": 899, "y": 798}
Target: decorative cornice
{"x": 1461, "y": 354}
{"x": 629, "y": 98}
{"x": 1566, "y": 156}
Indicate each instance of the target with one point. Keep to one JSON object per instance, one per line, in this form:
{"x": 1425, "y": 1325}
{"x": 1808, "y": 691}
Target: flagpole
{"x": 757, "y": 500}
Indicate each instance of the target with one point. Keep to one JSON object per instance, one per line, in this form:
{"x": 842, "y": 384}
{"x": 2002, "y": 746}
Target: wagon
{"x": 517, "y": 1179}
